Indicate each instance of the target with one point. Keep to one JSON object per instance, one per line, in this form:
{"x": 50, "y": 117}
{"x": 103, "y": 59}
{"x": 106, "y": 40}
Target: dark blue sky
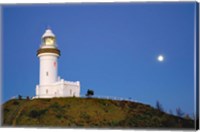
{"x": 110, "y": 48}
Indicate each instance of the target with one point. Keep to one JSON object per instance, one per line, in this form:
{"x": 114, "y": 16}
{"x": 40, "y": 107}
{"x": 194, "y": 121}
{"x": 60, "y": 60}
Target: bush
{"x": 113, "y": 123}
{"x": 55, "y": 105}
{"x": 58, "y": 115}
{"x": 19, "y": 97}
{"x": 36, "y": 113}
{"x": 15, "y": 102}
{"x": 85, "y": 116}
{"x": 90, "y": 93}
{"x": 27, "y": 98}
{"x": 6, "y": 110}
{"x": 159, "y": 106}
{"x": 179, "y": 112}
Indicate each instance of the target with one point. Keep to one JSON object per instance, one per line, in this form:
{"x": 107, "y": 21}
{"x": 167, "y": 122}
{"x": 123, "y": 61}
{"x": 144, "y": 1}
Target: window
{"x": 47, "y": 73}
{"x": 70, "y": 92}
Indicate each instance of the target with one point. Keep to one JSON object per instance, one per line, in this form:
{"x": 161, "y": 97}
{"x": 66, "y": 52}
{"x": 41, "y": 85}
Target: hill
{"x": 88, "y": 113}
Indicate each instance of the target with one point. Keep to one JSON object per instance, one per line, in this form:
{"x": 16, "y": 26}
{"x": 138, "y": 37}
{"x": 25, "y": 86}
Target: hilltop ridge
{"x": 88, "y": 113}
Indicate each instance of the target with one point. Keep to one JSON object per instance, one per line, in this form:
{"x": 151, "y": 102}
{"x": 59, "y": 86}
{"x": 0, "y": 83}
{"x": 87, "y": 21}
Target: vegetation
{"x": 88, "y": 113}
{"x": 179, "y": 112}
{"x": 90, "y": 93}
{"x": 36, "y": 113}
{"x": 19, "y": 97}
{"x": 159, "y": 106}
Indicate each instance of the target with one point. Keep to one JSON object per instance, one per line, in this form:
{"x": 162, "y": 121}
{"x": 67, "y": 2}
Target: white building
{"x": 50, "y": 84}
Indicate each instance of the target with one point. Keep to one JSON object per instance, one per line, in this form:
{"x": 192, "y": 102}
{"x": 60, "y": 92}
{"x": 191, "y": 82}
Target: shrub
{"x": 19, "y": 97}
{"x": 36, "y": 113}
{"x": 15, "y": 102}
{"x": 85, "y": 116}
{"x": 90, "y": 93}
{"x": 159, "y": 106}
{"x": 113, "y": 123}
{"x": 187, "y": 117}
{"x": 58, "y": 115}
{"x": 6, "y": 110}
{"x": 27, "y": 98}
{"x": 179, "y": 112}
{"x": 55, "y": 105}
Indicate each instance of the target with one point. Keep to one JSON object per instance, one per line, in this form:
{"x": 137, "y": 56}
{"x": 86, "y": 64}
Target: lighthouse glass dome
{"x": 48, "y": 39}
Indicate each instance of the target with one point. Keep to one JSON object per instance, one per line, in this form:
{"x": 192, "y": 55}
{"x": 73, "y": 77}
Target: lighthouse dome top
{"x": 48, "y": 33}
{"x": 48, "y": 44}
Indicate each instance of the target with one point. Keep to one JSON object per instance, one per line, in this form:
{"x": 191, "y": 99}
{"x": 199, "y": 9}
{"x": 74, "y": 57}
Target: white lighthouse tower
{"x": 48, "y": 55}
{"x": 50, "y": 85}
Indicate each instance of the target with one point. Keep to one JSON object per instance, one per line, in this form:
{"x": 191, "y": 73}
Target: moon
{"x": 160, "y": 58}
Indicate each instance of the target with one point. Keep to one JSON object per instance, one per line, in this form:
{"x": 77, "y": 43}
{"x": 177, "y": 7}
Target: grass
{"x": 88, "y": 113}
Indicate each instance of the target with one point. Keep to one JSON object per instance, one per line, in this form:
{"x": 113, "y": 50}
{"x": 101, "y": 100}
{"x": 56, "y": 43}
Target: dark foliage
{"x": 36, "y": 113}
{"x": 159, "y": 106}
{"x": 55, "y": 106}
{"x": 59, "y": 115}
{"x": 16, "y": 103}
{"x": 90, "y": 93}
{"x": 179, "y": 112}
{"x": 6, "y": 110}
{"x": 19, "y": 97}
{"x": 27, "y": 98}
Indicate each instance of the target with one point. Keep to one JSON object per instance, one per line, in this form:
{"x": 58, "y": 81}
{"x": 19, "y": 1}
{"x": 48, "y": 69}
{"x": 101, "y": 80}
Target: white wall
{"x": 48, "y": 70}
{"x": 71, "y": 89}
{"x": 58, "y": 89}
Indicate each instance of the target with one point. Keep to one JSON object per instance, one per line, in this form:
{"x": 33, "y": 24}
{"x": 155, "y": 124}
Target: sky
{"x": 110, "y": 48}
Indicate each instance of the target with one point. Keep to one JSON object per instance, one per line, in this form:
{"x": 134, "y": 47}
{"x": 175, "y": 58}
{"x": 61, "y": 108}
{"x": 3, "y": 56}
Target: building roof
{"x": 48, "y": 33}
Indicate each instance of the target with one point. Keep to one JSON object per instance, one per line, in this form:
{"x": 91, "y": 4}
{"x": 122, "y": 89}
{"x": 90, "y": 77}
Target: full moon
{"x": 160, "y": 58}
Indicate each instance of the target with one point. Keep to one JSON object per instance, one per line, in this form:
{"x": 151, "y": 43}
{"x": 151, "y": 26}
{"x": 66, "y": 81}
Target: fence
{"x": 111, "y": 98}
{"x": 96, "y": 96}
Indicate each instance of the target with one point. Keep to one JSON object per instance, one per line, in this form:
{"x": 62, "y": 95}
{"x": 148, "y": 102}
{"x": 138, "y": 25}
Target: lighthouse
{"x": 48, "y": 55}
{"x": 50, "y": 85}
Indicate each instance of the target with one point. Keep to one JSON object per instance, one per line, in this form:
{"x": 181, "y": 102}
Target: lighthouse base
{"x": 58, "y": 89}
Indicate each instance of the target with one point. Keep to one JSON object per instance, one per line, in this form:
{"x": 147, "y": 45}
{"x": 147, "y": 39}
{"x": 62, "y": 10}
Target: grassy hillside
{"x": 89, "y": 113}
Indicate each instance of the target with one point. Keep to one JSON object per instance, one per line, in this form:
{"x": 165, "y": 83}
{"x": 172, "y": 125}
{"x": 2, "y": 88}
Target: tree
{"x": 19, "y": 97}
{"x": 179, "y": 112}
{"x": 159, "y": 106}
{"x": 187, "y": 116}
{"x": 90, "y": 93}
{"x": 27, "y": 98}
